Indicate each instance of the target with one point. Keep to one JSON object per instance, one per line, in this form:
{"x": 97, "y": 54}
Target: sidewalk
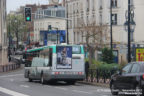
{"x": 95, "y": 84}
{"x": 9, "y": 67}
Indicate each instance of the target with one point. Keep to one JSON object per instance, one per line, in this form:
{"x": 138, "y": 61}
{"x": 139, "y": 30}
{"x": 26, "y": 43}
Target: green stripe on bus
{"x": 54, "y": 48}
{"x": 32, "y": 50}
{"x": 82, "y": 50}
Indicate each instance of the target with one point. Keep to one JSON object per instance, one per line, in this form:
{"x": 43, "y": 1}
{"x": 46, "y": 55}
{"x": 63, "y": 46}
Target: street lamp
{"x": 132, "y": 26}
{"x": 111, "y": 33}
{"x": 129, "y": 27}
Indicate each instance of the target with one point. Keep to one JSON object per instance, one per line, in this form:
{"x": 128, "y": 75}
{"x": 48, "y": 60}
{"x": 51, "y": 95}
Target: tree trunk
{"x": 90, "y": 56}
{"x": 17, "y": 40}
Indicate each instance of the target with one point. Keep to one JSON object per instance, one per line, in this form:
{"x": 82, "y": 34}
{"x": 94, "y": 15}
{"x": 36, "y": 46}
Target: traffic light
{"x": 49, "y": 27}
{"x": 28, "y": 14}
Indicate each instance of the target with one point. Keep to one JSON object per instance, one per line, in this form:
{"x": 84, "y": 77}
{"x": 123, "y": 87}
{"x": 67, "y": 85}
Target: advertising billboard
{"x": 64, "y": 57}
{"x": 139, "y": 54}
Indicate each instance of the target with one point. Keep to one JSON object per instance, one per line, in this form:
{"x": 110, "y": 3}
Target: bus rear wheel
{"x": 42, "y": 79}
{"x": 29, "y": 79}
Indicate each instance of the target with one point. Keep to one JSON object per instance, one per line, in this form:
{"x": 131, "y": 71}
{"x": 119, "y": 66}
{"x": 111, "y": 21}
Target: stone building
{"x": 99, "y": 11}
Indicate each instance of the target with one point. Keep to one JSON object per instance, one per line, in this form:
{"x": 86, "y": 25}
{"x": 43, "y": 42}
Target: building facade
{"x": 3, "y": 33}
{"x": 43, "y": 23}
{"x": 98, "y": 11}
{"x": 54, "y": 16}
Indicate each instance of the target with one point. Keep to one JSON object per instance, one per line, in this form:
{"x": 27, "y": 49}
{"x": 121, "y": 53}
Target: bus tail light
{"x": 80, "y": 73}
{"x": 143, "y": 76}
{"x": 57, "y": 73}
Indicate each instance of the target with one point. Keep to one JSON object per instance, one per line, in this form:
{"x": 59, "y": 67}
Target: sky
{"x": 15, "y": 4}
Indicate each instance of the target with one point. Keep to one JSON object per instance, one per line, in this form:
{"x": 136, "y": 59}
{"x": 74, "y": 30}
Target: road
{"x": 14, "y": 84}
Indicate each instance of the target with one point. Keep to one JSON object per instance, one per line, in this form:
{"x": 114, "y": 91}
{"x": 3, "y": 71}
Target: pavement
{"x": 95, "y": 84}
{"x": 14, "y": 84}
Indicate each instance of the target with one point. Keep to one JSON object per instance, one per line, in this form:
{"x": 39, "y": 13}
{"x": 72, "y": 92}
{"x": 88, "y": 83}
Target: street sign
{"x": 139, "y": 54}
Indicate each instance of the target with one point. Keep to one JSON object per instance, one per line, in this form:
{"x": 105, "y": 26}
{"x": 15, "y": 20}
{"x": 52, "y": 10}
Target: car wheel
{"x": 138, "y": 91}
{"x": 113, "y": 90}
{"x": 42, "y": 79}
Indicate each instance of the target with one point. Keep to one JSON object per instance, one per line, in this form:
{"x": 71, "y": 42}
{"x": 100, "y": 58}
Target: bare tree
{"x": 96, "y": 37}
{"x": 16, "y": 27}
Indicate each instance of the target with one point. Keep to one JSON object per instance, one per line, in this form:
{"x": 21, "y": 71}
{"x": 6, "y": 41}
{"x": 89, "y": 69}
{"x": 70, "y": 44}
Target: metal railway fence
{"x": 99, "y": 76}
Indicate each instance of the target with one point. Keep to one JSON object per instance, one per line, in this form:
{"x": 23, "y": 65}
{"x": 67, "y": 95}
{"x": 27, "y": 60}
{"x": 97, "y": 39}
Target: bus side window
{"x": 50, "y": 57}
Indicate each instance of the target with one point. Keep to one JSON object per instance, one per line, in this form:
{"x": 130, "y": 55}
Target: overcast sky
{"x": 15, "y": 4}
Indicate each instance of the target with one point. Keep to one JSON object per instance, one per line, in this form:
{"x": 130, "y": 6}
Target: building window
{"x": 100, "y": 19}
{"x": 93, "y": 5}
{"x": 114, "y": 19}
{"x": 100, "y": 1}
{"x": 88, "y": 5}
{"x": 74, "y": 37}
{"x": 114, "y": 3}
{"x": 78, "y": 37}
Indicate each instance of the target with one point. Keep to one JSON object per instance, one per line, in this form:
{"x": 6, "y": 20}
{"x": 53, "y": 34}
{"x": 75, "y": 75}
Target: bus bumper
{"x": 65, "y": 77}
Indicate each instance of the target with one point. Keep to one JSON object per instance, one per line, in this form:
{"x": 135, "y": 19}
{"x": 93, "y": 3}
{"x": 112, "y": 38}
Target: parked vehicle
{"x": 129, "y": 80}
{"x": 18, "y": 52}
{"x": 57, "y": 63}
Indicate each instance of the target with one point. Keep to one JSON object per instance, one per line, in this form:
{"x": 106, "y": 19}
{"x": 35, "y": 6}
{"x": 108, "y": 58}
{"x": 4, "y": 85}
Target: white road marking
{"x": 61, "y": 88}
{"x": 11, "y": 75}
{"x": 10, "y": 92}
{"x": 81, "y": 92}
{"x": 26, "y": 86}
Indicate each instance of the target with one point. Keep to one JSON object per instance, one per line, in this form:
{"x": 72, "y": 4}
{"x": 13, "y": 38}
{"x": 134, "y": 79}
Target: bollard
{"x": 97, "y": 75}
{"x": 12, "y": 66}
{"x": 104, "y": 77}
{"x": 6, "y": 68}
{"x": 9, "y": 67}
{"x": 3, "y": 68}
{"x": 91, "y": 75}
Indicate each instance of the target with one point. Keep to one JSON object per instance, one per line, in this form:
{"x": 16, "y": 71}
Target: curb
{"x": 95, "y": 84}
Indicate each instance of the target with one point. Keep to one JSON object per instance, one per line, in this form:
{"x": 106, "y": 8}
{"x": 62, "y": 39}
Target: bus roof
{"x": 45, "y": 47}
{"x": 37, "y": 49}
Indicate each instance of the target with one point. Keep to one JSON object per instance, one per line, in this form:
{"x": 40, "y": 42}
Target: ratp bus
{"x": 58, "y": 63}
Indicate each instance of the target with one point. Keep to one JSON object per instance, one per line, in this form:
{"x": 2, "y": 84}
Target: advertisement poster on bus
{"x": 64, "y": 57}
{"x": 139, "y": 54}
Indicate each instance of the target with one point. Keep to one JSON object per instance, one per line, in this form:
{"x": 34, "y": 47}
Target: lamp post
{"x": 130, "y": 27}
{"x": 67, "y": 24}
{"x": 111, "y": 42}
{"x": 57, "y": 36}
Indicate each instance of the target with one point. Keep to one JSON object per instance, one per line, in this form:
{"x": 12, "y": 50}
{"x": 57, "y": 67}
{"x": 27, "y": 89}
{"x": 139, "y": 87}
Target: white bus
{"x": 57, "y": 63}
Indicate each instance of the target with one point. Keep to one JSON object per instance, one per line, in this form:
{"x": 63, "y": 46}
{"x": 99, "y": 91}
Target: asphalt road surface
{"x": 14, "y": 84}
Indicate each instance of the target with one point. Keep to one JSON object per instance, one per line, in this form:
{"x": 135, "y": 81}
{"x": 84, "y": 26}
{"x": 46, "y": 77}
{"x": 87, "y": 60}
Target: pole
{"x": 111, "y": 42}
{"x": 57, "y": 36}
{"x": 29, "y": 33}
{"x": 67, "y": 27}
{"x": 129, "y": 31}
